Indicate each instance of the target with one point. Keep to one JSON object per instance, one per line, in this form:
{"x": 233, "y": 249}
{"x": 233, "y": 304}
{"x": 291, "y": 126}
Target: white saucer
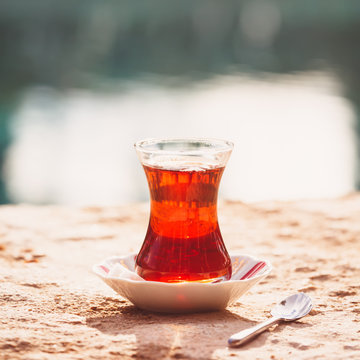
{"x": 118, "y": 273}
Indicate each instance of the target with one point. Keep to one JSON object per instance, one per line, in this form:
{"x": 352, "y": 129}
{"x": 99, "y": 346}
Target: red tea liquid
{"x": 183, "y": 241}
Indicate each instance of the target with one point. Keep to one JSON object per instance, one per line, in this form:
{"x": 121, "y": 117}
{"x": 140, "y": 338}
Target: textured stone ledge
{"x": 53, "y": 307}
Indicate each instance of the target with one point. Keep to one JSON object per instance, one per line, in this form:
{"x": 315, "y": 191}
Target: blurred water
{"x": 293, "y": 138}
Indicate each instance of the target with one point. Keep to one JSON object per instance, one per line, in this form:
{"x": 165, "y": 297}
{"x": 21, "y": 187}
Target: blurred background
{"x": 81, "y": 81}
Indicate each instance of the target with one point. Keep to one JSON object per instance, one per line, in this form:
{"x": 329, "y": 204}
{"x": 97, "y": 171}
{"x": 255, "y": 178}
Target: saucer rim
{"x": 267, "y": 270}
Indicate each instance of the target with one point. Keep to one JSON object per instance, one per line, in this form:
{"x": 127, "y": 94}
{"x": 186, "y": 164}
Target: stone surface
{"x": 53, "y": 307}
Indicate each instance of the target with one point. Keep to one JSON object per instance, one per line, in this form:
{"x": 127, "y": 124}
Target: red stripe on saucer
{"x": 254, "y": 270}
{"x": 104, "y": 268}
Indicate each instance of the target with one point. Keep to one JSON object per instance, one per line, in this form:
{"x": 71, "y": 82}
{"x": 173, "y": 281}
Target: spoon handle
{"x": 247, "y": 334}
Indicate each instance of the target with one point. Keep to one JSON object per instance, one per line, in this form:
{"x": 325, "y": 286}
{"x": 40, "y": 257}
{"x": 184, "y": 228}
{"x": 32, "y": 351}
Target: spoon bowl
{"x": 293, "y": 307}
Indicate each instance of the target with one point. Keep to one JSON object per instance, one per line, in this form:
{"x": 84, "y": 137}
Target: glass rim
{"x": 210, "y": 146}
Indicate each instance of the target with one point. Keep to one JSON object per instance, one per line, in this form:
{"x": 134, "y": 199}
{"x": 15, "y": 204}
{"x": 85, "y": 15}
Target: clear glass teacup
{"x": 183, "y": 240}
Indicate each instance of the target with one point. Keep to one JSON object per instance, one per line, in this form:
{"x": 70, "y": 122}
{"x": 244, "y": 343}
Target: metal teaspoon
{"x": 292, "y": 308}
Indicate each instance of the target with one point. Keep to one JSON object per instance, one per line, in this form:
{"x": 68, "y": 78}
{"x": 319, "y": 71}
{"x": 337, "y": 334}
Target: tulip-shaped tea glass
{"x": 183, "y": 240}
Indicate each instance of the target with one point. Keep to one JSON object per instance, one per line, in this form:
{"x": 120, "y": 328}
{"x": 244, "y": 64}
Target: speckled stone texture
{"x": 53, "y": 307}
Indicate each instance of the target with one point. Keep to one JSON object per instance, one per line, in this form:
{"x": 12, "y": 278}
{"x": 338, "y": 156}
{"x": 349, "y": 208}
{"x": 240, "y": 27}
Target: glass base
{"x": 212, "y": 277}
